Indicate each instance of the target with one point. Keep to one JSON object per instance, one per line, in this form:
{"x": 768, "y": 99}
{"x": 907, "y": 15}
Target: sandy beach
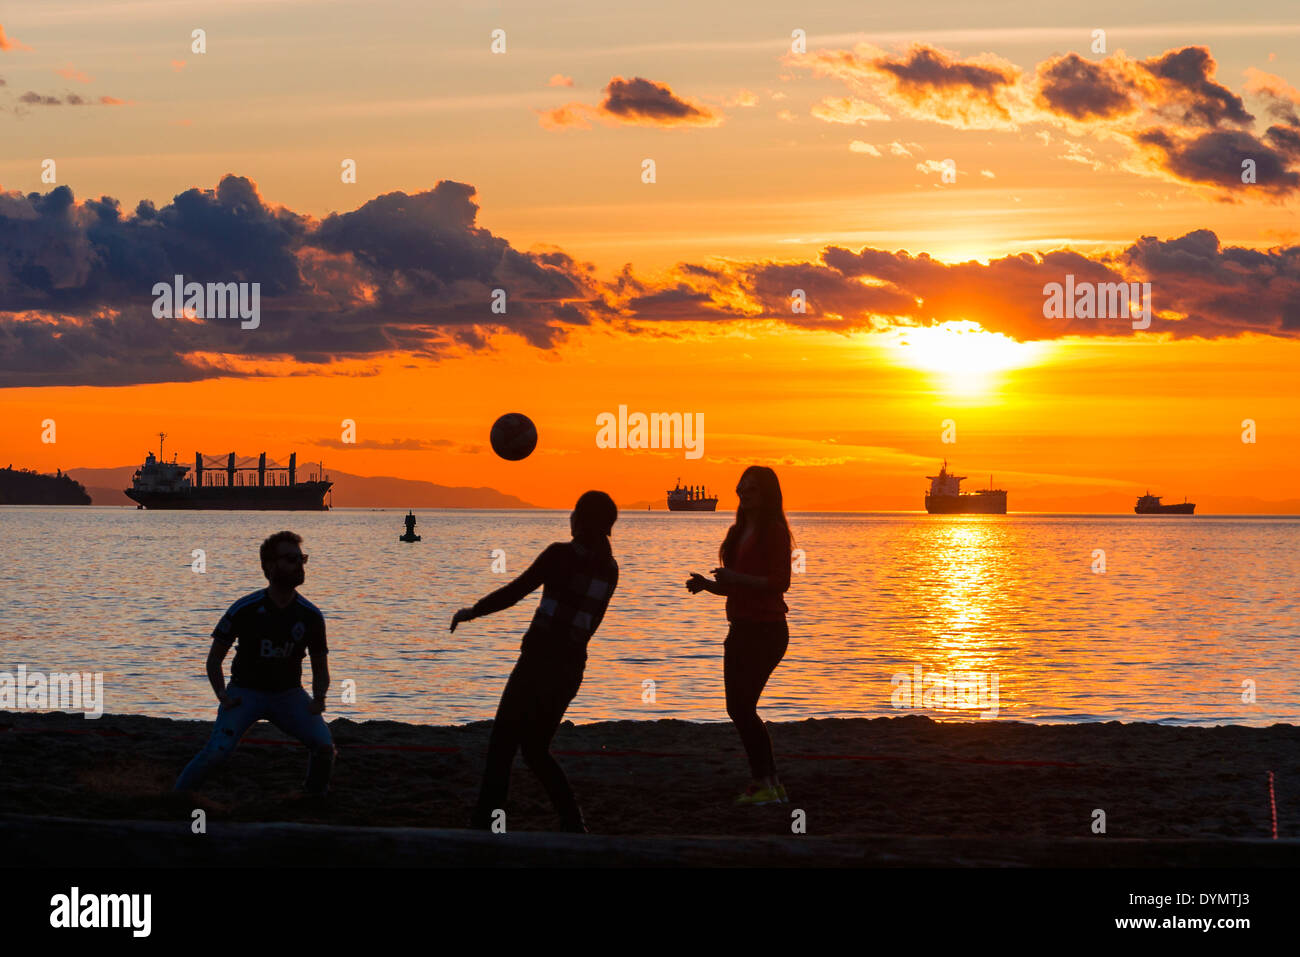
{"x": 909, "y": 778}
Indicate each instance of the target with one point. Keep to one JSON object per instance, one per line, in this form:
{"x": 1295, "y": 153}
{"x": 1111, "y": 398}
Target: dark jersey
{"x": 272, "y": 640}
{"x": 577, "y": 582}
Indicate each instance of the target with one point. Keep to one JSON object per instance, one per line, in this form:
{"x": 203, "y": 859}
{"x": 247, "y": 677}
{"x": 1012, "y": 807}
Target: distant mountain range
{"x": 350, "y": 491}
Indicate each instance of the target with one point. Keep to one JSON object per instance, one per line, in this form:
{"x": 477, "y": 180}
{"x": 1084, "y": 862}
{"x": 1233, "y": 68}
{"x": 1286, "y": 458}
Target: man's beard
{"x": 290, "y": 579}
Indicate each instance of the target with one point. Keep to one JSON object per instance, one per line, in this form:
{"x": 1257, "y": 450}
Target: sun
{"x": 965, "y": 357}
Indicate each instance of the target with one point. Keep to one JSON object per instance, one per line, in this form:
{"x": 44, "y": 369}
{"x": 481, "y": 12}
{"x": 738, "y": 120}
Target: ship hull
{"x": 302, "y": 497}
{"x": 995, "y": 504}
{"x": 1184, "y": 508}
{"x": 699, "y": 505}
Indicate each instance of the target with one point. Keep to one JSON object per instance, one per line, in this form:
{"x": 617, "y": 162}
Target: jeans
{"x": 751, "y": 653}
{"x": 531, "y": 709}
{"x": 288, "y": 711}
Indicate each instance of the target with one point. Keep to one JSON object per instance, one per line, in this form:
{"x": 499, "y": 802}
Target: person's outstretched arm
{"x": 510, "y": 594}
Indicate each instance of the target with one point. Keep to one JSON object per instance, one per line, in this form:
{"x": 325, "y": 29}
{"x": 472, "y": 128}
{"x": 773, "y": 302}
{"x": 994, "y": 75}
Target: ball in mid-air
{"x": 514, "y": 436}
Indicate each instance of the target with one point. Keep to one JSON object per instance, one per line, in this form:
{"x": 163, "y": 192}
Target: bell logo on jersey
{"x": 271, "y": 649}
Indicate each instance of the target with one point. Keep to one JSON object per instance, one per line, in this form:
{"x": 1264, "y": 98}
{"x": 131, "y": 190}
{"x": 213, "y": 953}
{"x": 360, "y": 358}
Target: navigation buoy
{"x": 410, "y": 535}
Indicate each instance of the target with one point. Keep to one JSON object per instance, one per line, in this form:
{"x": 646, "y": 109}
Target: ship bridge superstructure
{"x": 945, "y": 483}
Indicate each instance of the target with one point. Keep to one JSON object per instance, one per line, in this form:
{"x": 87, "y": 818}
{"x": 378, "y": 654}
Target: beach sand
{"x": 909, "y": 777}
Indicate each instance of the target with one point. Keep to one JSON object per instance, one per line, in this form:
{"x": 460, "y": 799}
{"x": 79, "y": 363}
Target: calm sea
{"x": 1185, "y": 612}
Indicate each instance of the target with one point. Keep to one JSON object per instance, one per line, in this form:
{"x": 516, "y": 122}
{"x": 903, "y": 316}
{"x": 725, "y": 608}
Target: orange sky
{"x": 1059, "y": 434}
{"x": 848, "y": 416}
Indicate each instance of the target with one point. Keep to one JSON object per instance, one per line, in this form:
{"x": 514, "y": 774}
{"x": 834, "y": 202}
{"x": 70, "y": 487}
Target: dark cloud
{"x": 1222, "y": 290}
{"x": 642, "y": 99}
{"x": 1082, "y": 89}
{"x": 636, "y": 101}
{"x": 32, "y": 98}
{"x": 403, "y": 273}
{"x": 926, "y": 83}
{"x": 413, "y": 274}
{"x": 927, "y": 68}
{"x": 1190, "y": 92}
{"x": 1286, "y": 139}
{"x": 1215, "y": 158}
{"x": 1199, "y": 288}
{"x": 1179, "y": 121}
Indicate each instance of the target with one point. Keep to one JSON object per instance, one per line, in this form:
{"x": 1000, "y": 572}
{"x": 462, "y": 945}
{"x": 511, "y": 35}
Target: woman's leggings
{"x": 751, "y": 653}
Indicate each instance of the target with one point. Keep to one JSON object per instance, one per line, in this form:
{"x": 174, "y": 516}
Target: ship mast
{"x": 161, "y": 436}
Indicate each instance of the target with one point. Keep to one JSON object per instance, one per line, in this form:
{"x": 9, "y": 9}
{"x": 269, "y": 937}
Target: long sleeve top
{"x": 577, "y": 582}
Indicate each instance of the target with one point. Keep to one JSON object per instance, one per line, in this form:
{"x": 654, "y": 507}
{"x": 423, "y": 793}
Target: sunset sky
{"x": 775, "y": 170}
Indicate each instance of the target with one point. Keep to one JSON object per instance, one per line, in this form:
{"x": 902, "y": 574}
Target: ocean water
{"x": 1187, "y": 614}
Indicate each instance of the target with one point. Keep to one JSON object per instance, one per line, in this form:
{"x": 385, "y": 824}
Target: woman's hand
{"x": 728, "y": 578}
{"x": 698, "y": 583}
{"x": 465, "y": 614}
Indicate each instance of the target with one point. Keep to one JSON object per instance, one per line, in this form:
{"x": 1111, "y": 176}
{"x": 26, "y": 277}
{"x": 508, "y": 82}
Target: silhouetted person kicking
{"x": 276, "y": 627}
{"x": 577, "y": 579}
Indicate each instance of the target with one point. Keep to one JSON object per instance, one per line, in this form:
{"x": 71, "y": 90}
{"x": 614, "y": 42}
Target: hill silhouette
{"x": 25, "y": 487}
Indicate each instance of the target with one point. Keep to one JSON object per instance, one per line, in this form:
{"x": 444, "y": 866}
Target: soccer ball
{"x": 514, "y": 436}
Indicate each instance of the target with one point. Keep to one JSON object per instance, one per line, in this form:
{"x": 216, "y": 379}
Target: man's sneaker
{"x": 758, "y": 796}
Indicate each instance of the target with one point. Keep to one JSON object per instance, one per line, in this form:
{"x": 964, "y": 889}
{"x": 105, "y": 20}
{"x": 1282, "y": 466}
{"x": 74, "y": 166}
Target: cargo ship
{"x": 1149, "y": 504}
{"x": 160, "y": 484}
{"x": 691, "y": 498}
{"x": 946, "y": 498}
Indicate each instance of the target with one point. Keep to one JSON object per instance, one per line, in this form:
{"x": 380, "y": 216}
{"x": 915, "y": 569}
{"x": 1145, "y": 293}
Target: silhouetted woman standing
{"x": 755, "y": 573}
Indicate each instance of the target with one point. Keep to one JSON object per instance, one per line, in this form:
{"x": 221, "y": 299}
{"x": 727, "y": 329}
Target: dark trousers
{"x": 531, "y": 709}
{"x": 751, "y": 653}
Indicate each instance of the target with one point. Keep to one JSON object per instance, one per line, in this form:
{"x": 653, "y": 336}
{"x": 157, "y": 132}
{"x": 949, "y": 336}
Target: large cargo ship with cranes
{"x": 946, "y": 498}
{"x": 161, "y": 484}
{"x": 691, "y": 498}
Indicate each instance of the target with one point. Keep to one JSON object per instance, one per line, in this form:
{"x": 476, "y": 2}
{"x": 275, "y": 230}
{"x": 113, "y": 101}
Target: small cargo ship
{"x": 159, "y": 484}
{"x": 946, "y": 498}
{"x": 1149, "y": 504}
{"x": 691, "y": 498}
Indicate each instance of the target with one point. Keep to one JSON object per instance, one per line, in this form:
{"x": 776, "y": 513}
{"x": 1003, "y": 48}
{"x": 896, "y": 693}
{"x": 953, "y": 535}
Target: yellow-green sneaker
{"x": 781, "y": 795}
{"x": 757, "y": 796}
